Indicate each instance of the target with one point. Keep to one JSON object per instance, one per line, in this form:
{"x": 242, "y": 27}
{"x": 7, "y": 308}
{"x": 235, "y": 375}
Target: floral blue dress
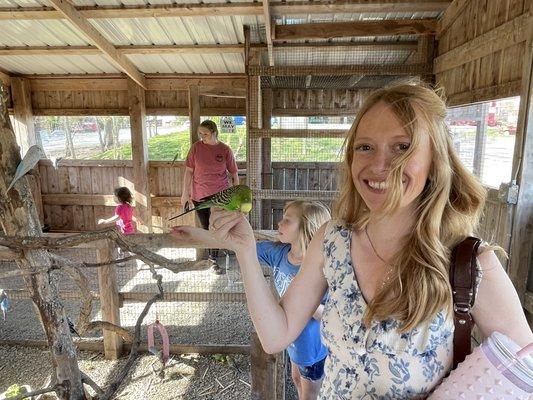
{"x": 376, "y": 362}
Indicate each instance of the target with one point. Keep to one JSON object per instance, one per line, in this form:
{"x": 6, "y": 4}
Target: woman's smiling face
{"x": 379, "y": 138}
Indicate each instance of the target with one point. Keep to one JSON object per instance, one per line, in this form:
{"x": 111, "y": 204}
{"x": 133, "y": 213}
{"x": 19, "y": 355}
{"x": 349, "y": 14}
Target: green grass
{"x": 165, "y": 147}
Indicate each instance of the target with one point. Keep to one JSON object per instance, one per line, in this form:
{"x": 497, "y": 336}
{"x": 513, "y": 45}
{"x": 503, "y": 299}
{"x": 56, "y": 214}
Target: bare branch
{"x": 117, "y": 262}
{"x": 95, "y": 325}
{"x": 7, "y": 254}
{"x": 137, "y": 244}
{"x": 88, "y": 381}
{"x": 71, "y": 268}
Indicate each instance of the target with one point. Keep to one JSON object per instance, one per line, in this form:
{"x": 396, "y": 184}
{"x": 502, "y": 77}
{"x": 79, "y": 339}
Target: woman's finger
{"x": 222, "y": 231}
{"x": 220, "y": 217}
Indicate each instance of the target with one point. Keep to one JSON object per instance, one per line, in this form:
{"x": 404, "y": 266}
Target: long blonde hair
{"x": 448, "y": 209}
{"x": 311, "y": 216}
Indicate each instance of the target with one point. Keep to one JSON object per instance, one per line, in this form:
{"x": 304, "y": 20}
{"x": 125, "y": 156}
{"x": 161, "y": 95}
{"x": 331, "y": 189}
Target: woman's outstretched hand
{"x": 233, "y": 228}
{"x": 227, "y": 229}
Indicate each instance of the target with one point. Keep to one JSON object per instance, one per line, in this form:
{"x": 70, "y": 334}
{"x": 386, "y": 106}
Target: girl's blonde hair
{"x": 448, "y": 209}
{"x": 311, "y": 215}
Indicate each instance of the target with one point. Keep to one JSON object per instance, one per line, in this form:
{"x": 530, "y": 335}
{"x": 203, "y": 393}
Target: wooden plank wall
{"x": 301, "y": 102}
{"x": 480, "y": 49}
{"x": 115, "y": 102}
{"x": 298, "y": 176}
{"x": 79, "y": 192}
{"x": 495, "y": 225}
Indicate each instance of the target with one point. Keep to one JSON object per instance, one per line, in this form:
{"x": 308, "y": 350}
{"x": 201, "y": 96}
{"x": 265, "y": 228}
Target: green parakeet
{"x": 232, "y": 199}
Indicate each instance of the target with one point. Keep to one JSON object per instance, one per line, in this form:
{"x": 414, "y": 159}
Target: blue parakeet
{"x": 30, "y": 160}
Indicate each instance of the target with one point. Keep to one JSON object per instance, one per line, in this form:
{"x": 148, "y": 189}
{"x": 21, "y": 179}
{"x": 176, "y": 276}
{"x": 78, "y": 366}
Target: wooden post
{"x": 263, "y": 371}
{"x": 194, "y": 118}
{"x": 253, "y": 121}
{"x": 266, "y": 158}
{"x": 521, "y": 255}
{"x": 109, "y": 299}
{"x": 194, "y": 111}
{"x": 139, "y": 148}
{"x": 23, "y": 114}
{"x": 481, "y": 139}
{"x": 281, "y": 376}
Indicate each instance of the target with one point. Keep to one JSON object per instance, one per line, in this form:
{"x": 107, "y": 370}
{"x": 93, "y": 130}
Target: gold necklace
{"x": 389, "y": 268}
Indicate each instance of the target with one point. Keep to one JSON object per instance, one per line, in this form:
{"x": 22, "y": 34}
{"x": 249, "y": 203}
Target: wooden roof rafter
{"x": 203, "y": 48}
{"x": 329, "y": 30}
{"x": 80, "y": 22}
{"x": 124, "y": 50}
{"x": 269, "y": 25}
{"x": 230, "y": 9}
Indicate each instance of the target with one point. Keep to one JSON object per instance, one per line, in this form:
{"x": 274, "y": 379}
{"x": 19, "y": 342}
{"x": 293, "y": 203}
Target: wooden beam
{"x": 124, "y": 50}
{"x": 501, "y": 91}
{"x": 269, "y": 25}
{"x": 70, "y": 112}
{"x": 528, "y": 302}
{"x": 139, "y": 150}
{"x": 298, "y": 133}
{"x": 347, "y": 46}
{"x": 330, "y": 30}
{"x": 451, "y": 13}
{"x": 228, "y": 9}
{"x": 184, "y": 84}
{"x": 23, "y": 114}
{"x": 65, "y": 199}
{"x": 350, "y": 6}
{"x": 109, "y": 299}
{"x": 206, "y": 84}
{"x": 194, "y": 112}
{"x": 87, "y": 29}
{"x": 310, "y": 112}
{"x": 174, "y": 348}
{"x": 521, "y": 254}
{"x": 497, "y": 39}
{"x": 262, "y": 370}
{"x": 180, "y": 111}
{"x": 320, "y": 70}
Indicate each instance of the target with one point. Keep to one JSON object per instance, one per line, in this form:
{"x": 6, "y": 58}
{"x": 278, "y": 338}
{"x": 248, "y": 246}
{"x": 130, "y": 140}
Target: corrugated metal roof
{"x": 189, "y": 63}
{"x": 178, "y": 31}
{"x": 91, "y": 64}
{"x": 40, "y": 33}
{"x": 175, "y": 30}
{"x": 91, "y": 3}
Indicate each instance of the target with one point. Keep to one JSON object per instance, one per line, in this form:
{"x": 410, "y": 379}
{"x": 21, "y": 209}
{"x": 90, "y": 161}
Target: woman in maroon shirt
{"x": 206, "y": 172}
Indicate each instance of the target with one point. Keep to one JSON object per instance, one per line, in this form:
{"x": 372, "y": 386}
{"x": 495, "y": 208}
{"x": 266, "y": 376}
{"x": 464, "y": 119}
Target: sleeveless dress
{"x": 376, "y": 362}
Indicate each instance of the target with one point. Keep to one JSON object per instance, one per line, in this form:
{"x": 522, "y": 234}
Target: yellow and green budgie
{"x": 235, "y": 198}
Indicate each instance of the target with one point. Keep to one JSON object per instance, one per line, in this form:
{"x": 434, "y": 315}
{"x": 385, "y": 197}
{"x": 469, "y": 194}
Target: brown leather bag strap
{"x": 463, "y": 281}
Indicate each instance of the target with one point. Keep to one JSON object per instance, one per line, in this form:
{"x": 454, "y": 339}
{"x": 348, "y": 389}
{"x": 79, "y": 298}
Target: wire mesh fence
{"x": 199, "y": 307}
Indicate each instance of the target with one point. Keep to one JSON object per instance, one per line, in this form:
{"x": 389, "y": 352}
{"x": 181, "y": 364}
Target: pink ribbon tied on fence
{"x": 165, "y": 353}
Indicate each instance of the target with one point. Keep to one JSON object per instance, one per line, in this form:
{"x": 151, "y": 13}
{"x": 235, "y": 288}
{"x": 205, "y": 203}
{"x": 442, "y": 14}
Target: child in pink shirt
{"x": 123, "y": 217}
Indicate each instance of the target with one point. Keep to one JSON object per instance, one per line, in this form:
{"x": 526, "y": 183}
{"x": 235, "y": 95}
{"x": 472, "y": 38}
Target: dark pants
{"x": 203, "y": 217}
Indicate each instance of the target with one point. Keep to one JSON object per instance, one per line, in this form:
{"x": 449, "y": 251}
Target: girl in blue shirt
{"x": 301, "y": 219}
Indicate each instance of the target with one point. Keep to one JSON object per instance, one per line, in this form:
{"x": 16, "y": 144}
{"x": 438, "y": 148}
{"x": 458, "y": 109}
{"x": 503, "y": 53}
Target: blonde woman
{"x": 405, "y": 201}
